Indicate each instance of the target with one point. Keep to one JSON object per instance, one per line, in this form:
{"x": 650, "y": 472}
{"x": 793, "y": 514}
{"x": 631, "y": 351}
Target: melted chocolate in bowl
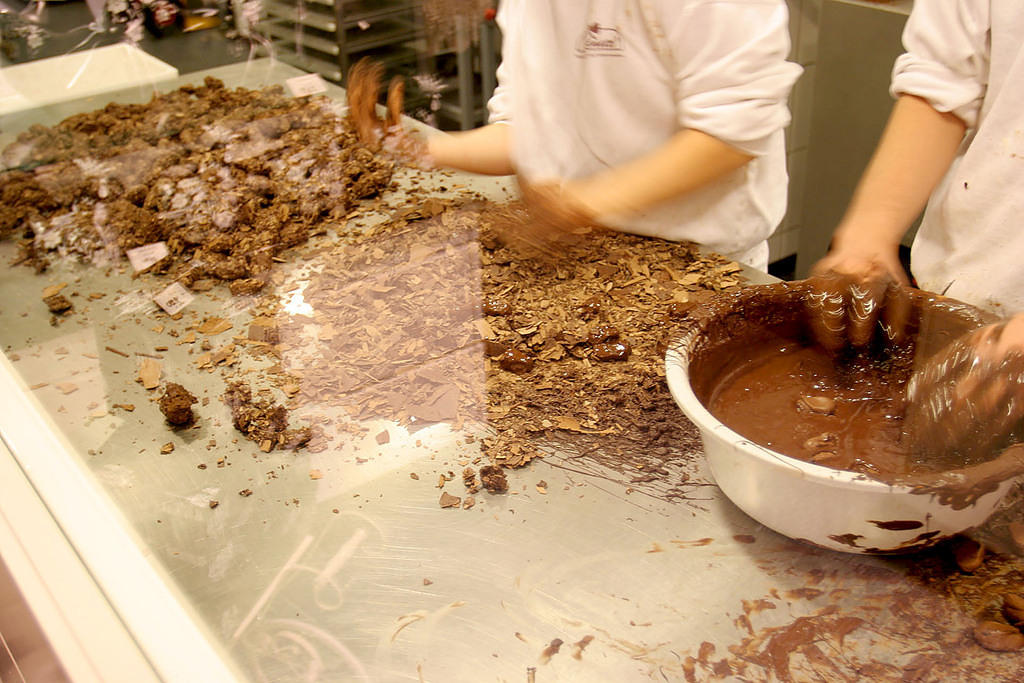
{"x": 757, "y": 370}
{"x": 794, "y": 399}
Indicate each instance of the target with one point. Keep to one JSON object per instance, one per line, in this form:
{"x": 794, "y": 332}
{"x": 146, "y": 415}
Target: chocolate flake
{"x": 449, "y": 501}
{"x": 149, "y": 373}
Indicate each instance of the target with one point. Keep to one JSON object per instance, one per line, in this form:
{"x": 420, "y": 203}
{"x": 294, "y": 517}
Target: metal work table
{"x": 359, "y": 575}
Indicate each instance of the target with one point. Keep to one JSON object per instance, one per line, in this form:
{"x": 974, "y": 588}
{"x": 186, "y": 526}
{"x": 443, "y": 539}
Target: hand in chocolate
{"x": 554, "y": 215}
{"x": 847, "y": 309}
{"x": 969, "y": 398}
{"x": 387, "y": 135}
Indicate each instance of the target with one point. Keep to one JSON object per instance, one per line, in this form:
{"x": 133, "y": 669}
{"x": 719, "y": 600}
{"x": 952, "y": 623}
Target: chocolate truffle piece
{"x": 176, "y": 404}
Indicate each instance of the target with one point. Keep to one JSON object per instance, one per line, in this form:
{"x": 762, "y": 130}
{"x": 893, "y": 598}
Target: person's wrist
{"x": 595, "y": 199}
{"x": 867, "y": 232}
{"x": 583, "y": 202}
{"x": 434, "y": 150}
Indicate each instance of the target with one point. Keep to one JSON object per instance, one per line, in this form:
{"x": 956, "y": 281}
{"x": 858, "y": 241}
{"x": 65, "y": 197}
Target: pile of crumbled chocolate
{"x": 433, "y": 316}
{"x": 262, "y": 420}
{"x": 227, "y": 178}
{"x": 176, "y": 405}
{"x": 436, "y": 316}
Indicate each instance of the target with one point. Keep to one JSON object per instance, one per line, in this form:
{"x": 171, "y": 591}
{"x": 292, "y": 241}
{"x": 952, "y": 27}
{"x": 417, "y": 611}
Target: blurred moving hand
{"x": 862, "y": 279}
{"x": 551, "y": 217}
{"x": 853, "y": 290}
{"x": 387, "y": 135}
{"x": 969, "y": 397}
{"x": 555, "y": 215}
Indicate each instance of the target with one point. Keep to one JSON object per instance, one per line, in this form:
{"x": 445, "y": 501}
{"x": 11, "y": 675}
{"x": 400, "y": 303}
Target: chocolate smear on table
{"x": 901, "y": 619}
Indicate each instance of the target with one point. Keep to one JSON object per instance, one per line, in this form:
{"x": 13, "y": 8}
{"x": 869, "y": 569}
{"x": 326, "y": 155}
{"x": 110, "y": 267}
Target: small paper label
{"x": 146, "y": 255}
{"x": 363, "y": 24}
{"x": 310, "y": 84}
{"x": 174, "y": 298}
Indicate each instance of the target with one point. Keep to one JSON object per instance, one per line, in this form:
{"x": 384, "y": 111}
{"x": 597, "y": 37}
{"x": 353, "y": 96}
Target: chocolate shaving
{"x": 450, "y": 501}
{"x": 432, "y": 317}
{"x": 149, "y": 373}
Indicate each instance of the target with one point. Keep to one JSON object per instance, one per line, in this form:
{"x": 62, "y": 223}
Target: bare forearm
{"x": 483, "y": 150}
{"x": 686, "y": 162}
{"x": 916, "y": 150}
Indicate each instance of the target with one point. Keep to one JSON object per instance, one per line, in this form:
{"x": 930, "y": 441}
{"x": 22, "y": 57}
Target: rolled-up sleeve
{"x": 499, "y": 107}
{"x": 947, "y": 57}
{"x": 732, "y": 77}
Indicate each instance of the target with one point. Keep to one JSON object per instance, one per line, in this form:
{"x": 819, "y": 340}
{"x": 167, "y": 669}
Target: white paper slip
{"x": 146, "y": 255}
{"x": 310, "y": 84}
{"x": 174, "y": 298}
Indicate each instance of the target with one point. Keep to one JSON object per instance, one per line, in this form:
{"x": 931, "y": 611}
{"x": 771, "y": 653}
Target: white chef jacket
{"x": 966, "y": 57}
{"x": 593, "y": 84}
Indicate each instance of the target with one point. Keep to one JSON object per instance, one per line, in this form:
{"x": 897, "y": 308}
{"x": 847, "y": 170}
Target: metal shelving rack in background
{"x": 465, "y": 102}
{"x": 328, "y": 36}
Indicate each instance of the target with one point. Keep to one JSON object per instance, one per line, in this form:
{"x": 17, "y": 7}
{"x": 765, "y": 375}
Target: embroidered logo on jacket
{"x": 599, "y": 41}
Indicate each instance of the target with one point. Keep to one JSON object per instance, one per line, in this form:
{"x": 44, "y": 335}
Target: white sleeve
{"x": 499, "y": 107}
{"x": 731, "y": 73}
{"x": 947, "y": 56}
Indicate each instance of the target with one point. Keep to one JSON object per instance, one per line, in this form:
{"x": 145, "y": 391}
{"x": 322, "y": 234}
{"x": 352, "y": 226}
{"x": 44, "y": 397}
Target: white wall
{"x": 803, "y": 27}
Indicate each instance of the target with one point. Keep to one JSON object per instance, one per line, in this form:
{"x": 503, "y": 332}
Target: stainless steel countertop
{"x": 360, "y": 575}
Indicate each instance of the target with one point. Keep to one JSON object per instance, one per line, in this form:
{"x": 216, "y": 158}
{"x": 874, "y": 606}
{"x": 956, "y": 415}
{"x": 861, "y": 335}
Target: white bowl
{"x": 827, "y": 507}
